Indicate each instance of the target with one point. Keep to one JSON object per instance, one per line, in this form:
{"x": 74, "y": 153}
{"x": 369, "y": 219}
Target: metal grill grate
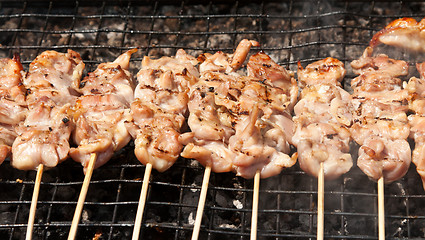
{"x": 288, "y": 31}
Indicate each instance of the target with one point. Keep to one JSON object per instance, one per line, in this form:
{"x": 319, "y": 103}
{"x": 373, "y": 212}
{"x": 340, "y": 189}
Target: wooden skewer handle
{"x": 201, "y": 203}
{"x": 142, "y": 202}
{"x": 320, "y": 202}
{"x": 82, "y": 198}
{"x": 381, "y": 209}
{"x": 34, "y": 200}
{"x": 255, "y": 197}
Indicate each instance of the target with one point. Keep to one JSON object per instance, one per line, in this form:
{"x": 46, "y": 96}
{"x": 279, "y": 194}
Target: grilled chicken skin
{"x": 51, "y": 82}
{"x": 12, "y": 103}
{"x": 101, "y": 111}
{"x": 240, "y": 123}
{"x": 404, "y": 33}
{"x": 380, "y": 123}
{"x": 261, "y": 66}
{"x": 160, "y": 106}
{"x": 322, "y": 118}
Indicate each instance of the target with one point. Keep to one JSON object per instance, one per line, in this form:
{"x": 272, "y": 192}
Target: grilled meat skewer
{"x": 101, "y": 111}
{"x": 240, "y": 123}
{"x": 380, "y": 123}
{"x": 52, "y": 84}
{"x": 160, "y": 106}
{"x": 323, "y": 116}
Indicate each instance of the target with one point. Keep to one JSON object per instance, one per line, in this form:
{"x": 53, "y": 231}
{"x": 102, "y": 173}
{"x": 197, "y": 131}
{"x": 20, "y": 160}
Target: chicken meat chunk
{"x": 326, "y": 71}
{"x": 417, "y": 132}
{"x": 261, "y": 66}
{"x": 12, "y": 103}
{"x": 416, "y": 90}
{"x": 404, "y": 33}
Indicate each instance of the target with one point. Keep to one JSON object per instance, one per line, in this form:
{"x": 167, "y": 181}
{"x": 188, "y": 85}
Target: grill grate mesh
{"x": 289, "y": 31}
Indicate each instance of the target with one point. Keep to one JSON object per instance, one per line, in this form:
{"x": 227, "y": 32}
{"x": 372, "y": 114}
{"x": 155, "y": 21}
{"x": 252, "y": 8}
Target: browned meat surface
{"x": 240, "y": 123}
{"x": 323, "y": 116}
{"x": 160, "y": 106}
{"x": 261, "y": 66}
{"x": 51, "y": 82}
{"x": 381, "y": 63}
{"x": 327, "y": 71}
{"x": 405, "y": 33}
{"x": 100, "y": 113}
{"x": 226, "y": 63}
{"x": 380, "y": 122}
{"x": 12, "y": 103}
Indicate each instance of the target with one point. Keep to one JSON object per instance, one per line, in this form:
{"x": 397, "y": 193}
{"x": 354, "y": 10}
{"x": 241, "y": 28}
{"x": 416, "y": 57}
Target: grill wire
{"x": 289, "y": 31}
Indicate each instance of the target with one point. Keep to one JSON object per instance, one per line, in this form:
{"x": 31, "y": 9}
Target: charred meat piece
{"x": 12, "y": 103}
{"x": 101, "y": 111}
{"x": 380, "y": 123}
{"x": 240, "y": 123}
{"x": 160, "y": 106}
{"x": 323, "y": 116}
{"x": 51, "y": 83}
{"x": 404, "y": 33}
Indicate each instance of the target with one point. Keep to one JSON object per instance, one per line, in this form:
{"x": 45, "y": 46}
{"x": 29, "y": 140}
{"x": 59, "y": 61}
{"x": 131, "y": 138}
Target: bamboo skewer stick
{"x": 34, "y": 200}
{"x": 320, "y": 202}
{"x": 142, "y": 202}
{"x": 381, "y": 209}
{"x": 255, "y": 197}
{"x": 201, "y": 203}
{"x": 82, "y": 197}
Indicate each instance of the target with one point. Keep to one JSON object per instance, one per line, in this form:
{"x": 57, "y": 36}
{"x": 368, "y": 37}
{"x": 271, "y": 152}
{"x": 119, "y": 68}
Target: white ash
{"x": 228, "y": 226}
{"x": 190, "y": 219}
{"x": 194, "y": 190}
{"x": 194, "y": 163}
{"x": 237, "y": 204}
{"x": 85, "y": 216}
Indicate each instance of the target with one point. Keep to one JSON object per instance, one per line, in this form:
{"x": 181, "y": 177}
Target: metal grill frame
{"x": 287, "y": 202}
